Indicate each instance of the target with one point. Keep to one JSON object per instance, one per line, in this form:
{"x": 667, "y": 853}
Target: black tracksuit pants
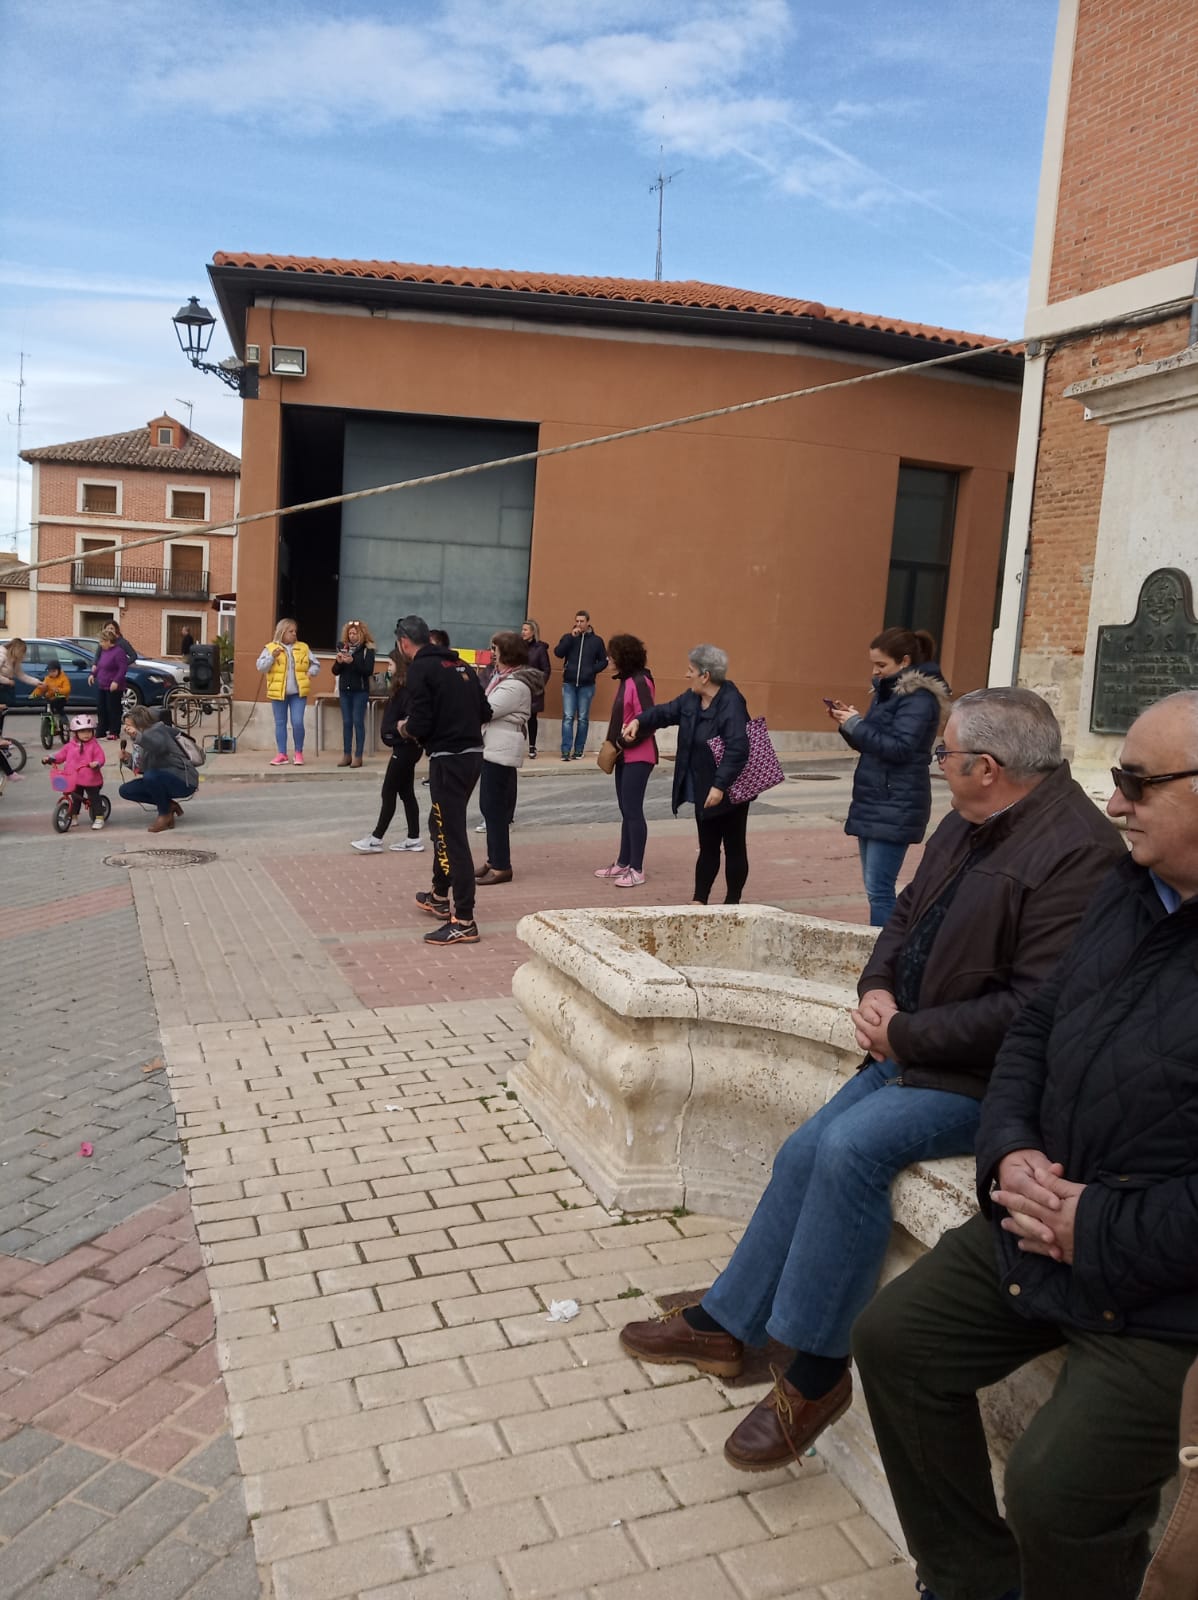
{"x": 451, "y": 782}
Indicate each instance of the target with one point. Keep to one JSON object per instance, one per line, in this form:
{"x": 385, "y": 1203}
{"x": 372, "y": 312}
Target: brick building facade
{"x": 1116, "y": 241}
{"x": 94, "y": 496}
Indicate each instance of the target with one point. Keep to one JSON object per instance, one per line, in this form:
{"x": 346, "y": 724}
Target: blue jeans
{"x": 880, "y": 866}
{"x": 353, "y": 721}
{"x": 294, "y": 707}
{"x": 810, "y": 1257}
{"x": 576, "y": 702}
{"x": 157, "y": 789}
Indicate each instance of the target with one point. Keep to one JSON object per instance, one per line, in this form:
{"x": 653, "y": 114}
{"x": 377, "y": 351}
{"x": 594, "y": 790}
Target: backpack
{"x": 193, "y": 751}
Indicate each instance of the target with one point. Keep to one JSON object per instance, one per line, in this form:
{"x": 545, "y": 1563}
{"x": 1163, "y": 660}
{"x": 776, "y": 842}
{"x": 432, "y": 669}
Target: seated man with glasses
{"x": 1087, "y": 1167}
{"x": 1003, "y": 882}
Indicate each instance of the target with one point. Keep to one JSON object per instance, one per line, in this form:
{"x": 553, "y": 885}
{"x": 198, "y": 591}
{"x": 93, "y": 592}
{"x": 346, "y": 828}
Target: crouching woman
{"x": 162, "y": 773}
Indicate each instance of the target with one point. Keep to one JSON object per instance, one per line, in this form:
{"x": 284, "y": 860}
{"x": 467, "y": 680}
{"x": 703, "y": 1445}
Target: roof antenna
{"x": 190, "y": 408}
{"x": 659, "y": 189}
{"x": 19, "y": 423}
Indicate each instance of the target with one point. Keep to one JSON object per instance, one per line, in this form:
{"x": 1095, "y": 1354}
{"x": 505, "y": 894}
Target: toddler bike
{"x": 64, "y": 812}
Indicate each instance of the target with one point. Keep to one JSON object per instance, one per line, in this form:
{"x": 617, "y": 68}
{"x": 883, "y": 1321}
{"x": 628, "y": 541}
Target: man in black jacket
{"x": 446, "y": 712}
{"x": 1087, "y": 1164}
{"x": 1001, "y": 887}
{"x": 585, "y": 656}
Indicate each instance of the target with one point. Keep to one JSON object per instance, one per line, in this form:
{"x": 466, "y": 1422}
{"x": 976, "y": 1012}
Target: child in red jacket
{"x": 82, "y": 763}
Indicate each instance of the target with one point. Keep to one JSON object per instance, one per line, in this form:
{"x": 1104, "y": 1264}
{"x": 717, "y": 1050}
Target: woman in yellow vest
{"x": 289, "y": 667}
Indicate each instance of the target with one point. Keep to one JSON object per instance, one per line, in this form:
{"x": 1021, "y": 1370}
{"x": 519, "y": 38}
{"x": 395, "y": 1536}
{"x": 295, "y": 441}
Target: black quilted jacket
{"x": 1100, "y": 1071}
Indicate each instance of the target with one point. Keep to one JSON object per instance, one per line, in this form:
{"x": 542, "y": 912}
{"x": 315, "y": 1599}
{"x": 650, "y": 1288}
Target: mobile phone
{"x": 829, "y": 703}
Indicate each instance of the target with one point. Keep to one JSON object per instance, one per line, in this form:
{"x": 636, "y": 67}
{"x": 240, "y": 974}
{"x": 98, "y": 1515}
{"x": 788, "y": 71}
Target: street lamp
{"x": 193, "y": 326}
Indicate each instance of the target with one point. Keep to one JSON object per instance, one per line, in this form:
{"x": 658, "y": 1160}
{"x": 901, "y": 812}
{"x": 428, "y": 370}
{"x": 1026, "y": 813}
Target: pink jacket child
{"x": 82, "y": 764}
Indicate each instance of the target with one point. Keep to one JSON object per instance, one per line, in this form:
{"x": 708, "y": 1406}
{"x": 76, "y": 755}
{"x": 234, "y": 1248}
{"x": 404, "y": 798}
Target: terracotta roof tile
{"x": 690, "y": 292}
{"x": 134, "y": 449}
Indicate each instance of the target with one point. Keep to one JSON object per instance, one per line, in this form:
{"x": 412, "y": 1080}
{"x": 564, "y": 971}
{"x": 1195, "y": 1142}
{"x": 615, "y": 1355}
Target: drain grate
{"x": 815, "y": 777}
{"x": 162, "y": 858}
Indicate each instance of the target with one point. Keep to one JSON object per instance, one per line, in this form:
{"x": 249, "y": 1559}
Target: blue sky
{"x": 880, "y": 155}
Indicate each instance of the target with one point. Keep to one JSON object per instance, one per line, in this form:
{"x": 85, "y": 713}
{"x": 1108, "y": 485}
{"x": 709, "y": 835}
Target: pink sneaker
{"x": 613, "y": 871}
{"x": 629, "y": 879}
{"x": 298, "y": 758}
{"x": 278, "y": 761}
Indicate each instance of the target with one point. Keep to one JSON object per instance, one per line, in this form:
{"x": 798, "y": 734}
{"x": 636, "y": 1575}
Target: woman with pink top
{"x": 635, "y": 762}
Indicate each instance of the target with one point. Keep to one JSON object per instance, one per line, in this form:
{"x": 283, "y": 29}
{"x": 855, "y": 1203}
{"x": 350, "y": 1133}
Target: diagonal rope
{"x": 247, "y": 518}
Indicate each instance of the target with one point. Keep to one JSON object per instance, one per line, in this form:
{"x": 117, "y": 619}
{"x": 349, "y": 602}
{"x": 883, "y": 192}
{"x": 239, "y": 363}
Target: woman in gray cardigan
{"x": 163, "y": 774}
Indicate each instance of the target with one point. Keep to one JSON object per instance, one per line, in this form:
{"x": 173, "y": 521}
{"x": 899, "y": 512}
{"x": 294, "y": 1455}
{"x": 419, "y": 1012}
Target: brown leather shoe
{"x": 356, "y": 762}
{"x": 344, "y": 762}
{"x": 783, "y": 1426}
{"x": 669, "y": 1340}
{"x": 495, "y": 875}
{"x": 160, "y": 824}
{"x": 176, "y": 810}
{"x": 481, "y": 872}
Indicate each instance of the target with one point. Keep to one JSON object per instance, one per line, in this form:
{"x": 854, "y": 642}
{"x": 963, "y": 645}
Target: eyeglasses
{"x": 1131, "y": 785}
{"x": 942, "y": 753}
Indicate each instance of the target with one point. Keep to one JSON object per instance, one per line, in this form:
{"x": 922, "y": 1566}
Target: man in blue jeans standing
{"x": 585, "y": 656}
{"x": 1003, "y": 882}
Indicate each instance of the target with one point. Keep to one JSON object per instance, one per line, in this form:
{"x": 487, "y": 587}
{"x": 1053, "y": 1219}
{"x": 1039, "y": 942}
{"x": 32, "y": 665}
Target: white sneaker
{"x": 407, "y": 844}
{"x": 97, "y": 824}
{"x": 482, "y": 828}
{"x": 369, "y": 846}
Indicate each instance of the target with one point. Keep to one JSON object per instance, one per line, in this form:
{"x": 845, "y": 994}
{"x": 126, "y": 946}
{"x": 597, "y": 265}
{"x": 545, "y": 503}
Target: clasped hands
{"x": 1040, "y": 1202}
{"x": 871, "y": 1019}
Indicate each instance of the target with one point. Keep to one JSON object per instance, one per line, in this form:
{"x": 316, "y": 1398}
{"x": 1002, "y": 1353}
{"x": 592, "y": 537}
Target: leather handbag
{"x": 760, "y": 772}
{"x": 609, "y": 754}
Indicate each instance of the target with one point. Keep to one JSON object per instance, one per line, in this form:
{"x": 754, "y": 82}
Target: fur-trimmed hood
{"x": 929, "y": 677}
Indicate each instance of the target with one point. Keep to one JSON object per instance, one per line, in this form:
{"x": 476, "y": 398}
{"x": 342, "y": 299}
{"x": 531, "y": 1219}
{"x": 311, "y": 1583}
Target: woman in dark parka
{"x": 892, "y": 786}
{"x": 711, "y": 706}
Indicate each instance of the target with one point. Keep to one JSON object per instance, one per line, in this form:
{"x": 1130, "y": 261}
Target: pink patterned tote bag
{"x": 760, "y": 772}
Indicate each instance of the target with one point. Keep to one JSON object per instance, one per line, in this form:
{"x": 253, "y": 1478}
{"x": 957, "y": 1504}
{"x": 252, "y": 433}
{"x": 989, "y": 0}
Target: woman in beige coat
{"x": 1173, "y": 1574}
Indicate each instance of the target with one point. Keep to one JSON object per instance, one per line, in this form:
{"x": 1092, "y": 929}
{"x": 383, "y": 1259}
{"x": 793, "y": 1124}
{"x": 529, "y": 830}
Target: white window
{"x": 188, "y": 505}
{"x": 166, "y": 436}
{"x": 99, "y": 497}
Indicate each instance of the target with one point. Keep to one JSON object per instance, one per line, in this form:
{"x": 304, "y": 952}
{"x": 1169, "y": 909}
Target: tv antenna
{"x": 659, "y": 189}
{"x": 19, "y": 422}
{"x": 190, "y": 408}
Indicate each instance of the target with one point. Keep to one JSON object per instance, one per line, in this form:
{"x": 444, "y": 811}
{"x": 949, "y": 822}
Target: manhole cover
{"x": 162, "y": 858}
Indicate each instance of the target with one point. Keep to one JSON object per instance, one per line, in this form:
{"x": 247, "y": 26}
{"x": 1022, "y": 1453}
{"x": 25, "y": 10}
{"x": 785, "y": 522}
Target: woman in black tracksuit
{"x": 399, "y": 777}
{"x": 712, "y": 707}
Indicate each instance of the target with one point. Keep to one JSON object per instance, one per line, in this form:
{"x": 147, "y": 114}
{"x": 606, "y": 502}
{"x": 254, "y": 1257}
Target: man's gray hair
{"x": 709, "y": 658}
{"x": 414, "y": 629}
{"x": 1015, "y": 726}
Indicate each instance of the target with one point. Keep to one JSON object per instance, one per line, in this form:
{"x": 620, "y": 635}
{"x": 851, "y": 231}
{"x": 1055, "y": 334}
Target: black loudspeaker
{"x": 204, "y": 661}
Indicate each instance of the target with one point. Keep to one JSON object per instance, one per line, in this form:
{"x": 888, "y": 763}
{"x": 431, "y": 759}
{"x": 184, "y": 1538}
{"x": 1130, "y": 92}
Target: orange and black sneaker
{"x": 433, "y": 905}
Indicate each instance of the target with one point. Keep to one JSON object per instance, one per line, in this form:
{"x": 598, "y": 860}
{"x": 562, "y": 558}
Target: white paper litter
{"x": 392, "y": 1108}
{"x": 563, "y": 1310}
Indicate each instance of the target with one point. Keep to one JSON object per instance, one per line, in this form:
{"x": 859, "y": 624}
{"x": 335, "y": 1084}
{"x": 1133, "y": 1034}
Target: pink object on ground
{"x": 631, "y": 879}
{"x": 613, "y": 871}
{"x": 278, "y": 761}
{"x": 85, "y": 1149}
{"x": 298, "y": 758}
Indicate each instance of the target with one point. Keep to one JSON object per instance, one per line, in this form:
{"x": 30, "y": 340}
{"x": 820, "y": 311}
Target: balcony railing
{"x": 151, "y": 583}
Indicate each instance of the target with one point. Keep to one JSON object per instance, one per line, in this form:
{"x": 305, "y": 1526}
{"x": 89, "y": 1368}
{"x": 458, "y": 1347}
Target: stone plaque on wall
{"x": 1153, "y": 655}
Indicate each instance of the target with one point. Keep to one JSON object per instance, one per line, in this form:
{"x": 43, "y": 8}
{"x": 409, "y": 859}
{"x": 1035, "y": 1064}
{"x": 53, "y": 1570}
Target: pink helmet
{"x": 84, "y": 721}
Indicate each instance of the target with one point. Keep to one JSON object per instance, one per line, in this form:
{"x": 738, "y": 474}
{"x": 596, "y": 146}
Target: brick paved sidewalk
{"x": 385, "y": 1230}
{"x": 117, "y": 1472}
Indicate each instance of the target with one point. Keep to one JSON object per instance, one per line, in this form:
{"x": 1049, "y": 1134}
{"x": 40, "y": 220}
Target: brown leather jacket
{"x": 1173, "y": 1574}
{"x": 1011, "y": 920}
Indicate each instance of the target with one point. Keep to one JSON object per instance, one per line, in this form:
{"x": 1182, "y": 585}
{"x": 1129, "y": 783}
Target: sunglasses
{"x": 1131, "y": 785}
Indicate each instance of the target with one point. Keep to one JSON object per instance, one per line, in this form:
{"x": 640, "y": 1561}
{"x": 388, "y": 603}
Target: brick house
{"x": 1106, "y": 481}
{"x": 93, "y": 496}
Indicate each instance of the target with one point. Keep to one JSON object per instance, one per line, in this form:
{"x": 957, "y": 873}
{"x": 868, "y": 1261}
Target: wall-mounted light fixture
{"x": 193, "y": 325}
{"x": 288, "y": 361}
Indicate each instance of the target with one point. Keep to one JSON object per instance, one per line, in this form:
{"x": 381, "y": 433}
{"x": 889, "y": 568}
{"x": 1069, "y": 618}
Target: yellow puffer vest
{"x": 276, "y": 673}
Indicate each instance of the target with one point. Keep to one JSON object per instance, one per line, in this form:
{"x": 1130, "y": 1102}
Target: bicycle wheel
{"x": 47, "y": 732}
{"x": 62, "y": 816}
{"x": 104, "y": 806}
{"x": 16, "y": 754}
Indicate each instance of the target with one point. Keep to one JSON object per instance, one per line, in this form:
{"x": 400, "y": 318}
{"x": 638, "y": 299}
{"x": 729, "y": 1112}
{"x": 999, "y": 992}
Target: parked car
{"x": 144, "y": 685}
{"x": 90, "y": 646}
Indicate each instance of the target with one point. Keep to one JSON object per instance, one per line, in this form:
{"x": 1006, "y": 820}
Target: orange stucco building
{"x": 788, "y": 534}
